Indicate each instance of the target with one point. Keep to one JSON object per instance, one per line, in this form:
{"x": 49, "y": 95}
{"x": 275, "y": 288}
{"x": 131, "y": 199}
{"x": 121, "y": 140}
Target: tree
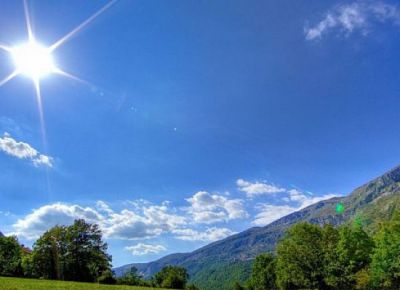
{"x": 107, "y": 277}
{"x": 86, "y": 257}
{"x": 300, "y": 258}
{"x": 385, "y": 265}
{"x": 10, "y": 257}
{"x": 330, "y": 240}
{"x": 353, "y": 250}
{"x": 76, "y": 253}
{"x": 172, "y": 277}
{"x": 263, "y": 274}
{"x": 28, "y": 266}
{"x": 131, "y": 278}
{"x": 49, "y": 254}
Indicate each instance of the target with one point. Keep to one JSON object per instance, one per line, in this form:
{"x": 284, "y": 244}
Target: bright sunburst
{"x": 33, "y": 60}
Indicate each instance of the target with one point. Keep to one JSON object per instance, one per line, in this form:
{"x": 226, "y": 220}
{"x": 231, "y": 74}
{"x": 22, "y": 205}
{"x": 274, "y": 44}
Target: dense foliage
{"x": 263, "y": 275}
{"x": 314, "y": 257}
{"x": 10, "y": 257}
{"x": 172, "y": 277}
{"x": 75, "y": 253}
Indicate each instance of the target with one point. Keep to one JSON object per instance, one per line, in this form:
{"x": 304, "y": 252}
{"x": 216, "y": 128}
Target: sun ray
{"x": 5, "y": 47}
{"x": 40, "y": 109}
{"x": 81, "y": 26}
{"x": 71, "y": 76}
{"x": 9, "y": 77}
{"x": 28, "y": 21}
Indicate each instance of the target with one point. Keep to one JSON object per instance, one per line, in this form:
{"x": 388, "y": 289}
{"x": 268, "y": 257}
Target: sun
{"x": 33, "y": 60}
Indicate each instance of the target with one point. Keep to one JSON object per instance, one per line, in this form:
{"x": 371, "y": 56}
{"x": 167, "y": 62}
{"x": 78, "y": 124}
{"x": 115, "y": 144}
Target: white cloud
{"x": 304, "y": 200}
{"x": 23, "y": 150}
{"x": 209, "y": 235}
{"x": 145, "y": 249}
{"x": 269, "y": 213}
{"x": 211, "y": 208}
{"x": 145, "y": 221}
{"x": 295, "y": 201}
{"x": 356, "y": 16}
{"x": 257, "y": 188}
{"x": 41, "y": 219}
{"x": 149, "y": 221}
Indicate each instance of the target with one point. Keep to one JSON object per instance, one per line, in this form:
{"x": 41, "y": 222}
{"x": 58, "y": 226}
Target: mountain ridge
{"x": 372, "y": 201}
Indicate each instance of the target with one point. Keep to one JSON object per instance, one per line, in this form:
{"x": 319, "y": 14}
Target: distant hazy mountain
{"x": 219, "y": 264}
{"x": 1, "y": 234}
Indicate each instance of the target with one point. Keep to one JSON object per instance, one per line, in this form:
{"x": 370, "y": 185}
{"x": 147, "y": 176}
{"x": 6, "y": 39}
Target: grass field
{"x": 34, "y": 284}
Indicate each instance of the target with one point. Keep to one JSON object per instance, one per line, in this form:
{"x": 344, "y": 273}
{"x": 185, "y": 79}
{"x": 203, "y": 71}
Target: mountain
{"x": 219, "y": 264}
{"x": 1, "y": 234}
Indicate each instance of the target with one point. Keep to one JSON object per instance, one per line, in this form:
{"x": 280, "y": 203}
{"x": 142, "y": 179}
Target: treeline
{"x": 314, "y": 257}
{"x": 77, "y": 253}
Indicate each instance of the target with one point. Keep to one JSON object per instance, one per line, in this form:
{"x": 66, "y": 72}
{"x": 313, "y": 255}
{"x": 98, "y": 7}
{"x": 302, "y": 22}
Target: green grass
{"x": 34, "y": 284}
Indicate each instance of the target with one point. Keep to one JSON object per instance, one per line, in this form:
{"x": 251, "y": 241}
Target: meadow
{"x": 7, "y": 283}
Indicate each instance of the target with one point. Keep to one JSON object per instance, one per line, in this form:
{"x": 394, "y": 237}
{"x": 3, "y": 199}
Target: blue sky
{"x": 196, "y": 119}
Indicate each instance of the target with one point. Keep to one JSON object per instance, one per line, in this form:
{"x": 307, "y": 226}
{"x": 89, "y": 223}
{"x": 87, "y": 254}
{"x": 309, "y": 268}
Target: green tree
{"x": 28, "y": 266}
{"x": 353, "y": 250}
{"x": 86, "y": 257}
{"x": 172, "y": 277}
{"x": 75, "y": 253}
{"x": 49, "y": 254}
{"x": 385, "y": 265}
{"x": 107, "y": 277}
{"x": 330, "y": 240}
{"x": 263, "y": 273}
{"x": 131, "y": 278}
{"x": 300, "y": 258}
{"x": 10, "y": 257}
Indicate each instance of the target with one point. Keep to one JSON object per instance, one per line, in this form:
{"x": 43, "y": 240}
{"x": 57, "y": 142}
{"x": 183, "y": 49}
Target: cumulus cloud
{"x": 356, "y": 16}
{"x": 253, "y": 189}
{"x": 209, "y": 235}
{"x": 41, "y": 219}
{"x": 211, "y": 208}
{"x": 145, "y": 249}
{"x": 146, "y": 222}
{"x": 23, "y": 150}
{"x": 143, "y": 220}
{"x": 295, "y": 200}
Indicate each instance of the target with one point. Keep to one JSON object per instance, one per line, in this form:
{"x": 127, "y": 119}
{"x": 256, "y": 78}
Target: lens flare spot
{"x": 339, "y": 208}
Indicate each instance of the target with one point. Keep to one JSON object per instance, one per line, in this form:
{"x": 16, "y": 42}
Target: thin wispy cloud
{"x": 359, "y": 16}
{"x": 294, "y": 201}
{"x": 209, "y": 235}
{"x": 145, "y": 249}
{"x": 253, "y": 189}
{"x": 22, "y": 150}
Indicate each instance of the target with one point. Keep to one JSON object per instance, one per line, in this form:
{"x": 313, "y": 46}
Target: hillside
{"x": 218, "y": 264}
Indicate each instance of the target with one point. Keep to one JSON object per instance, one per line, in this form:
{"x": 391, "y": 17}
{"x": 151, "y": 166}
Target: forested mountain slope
{"x": 219, "y": 264}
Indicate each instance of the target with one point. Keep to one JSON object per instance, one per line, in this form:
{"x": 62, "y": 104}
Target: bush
{"x": 107, "y": 278}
